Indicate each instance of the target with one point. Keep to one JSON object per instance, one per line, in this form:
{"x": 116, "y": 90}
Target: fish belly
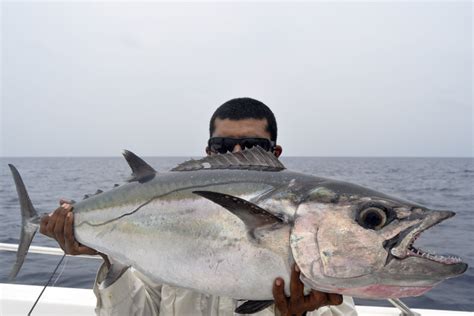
{"x": 191, "y": 243}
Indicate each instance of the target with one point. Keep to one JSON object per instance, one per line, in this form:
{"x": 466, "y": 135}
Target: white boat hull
{"x": 18, "y": 299}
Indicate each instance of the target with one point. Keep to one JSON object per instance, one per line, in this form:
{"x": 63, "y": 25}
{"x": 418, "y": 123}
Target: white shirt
{"x": 131, "y": 293}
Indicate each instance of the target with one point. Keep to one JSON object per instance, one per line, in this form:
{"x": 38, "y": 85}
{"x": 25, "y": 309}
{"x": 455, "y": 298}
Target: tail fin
{"x": 29, "y": 222}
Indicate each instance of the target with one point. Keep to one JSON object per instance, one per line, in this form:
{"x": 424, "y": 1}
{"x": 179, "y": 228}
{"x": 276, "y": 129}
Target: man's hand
{"x": 59, "y": 226}
{"x": 298, "y": 304}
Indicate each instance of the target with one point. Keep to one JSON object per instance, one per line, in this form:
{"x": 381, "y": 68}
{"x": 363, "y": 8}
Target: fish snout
{"x": 442, "y": 215}
{"x": 404, "y": 247}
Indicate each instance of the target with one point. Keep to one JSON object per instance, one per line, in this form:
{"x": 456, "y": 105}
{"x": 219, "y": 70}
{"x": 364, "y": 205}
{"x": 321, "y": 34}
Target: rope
{"x": 44, "y": 288}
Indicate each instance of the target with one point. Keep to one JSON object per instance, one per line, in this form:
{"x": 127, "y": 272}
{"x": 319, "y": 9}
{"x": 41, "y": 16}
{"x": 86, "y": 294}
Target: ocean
{"x": 440, "y": 183}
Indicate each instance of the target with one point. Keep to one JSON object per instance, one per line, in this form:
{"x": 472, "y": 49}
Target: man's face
{"x": 242, "y": 129}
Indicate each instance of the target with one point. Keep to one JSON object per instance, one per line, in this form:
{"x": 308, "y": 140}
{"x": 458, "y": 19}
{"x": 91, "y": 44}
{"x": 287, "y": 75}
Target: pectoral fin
{"x": 251, "y": 307}
{"x": 251, "y": 214}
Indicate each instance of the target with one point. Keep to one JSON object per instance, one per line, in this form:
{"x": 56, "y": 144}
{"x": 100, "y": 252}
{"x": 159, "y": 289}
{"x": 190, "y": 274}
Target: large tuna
{"x": 230, "y": 224}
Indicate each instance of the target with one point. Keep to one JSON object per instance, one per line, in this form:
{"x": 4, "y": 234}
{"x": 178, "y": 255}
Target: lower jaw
{"x": 379, "y": 291}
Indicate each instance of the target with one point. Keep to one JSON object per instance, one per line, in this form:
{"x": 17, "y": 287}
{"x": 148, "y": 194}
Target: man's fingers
{"x": 316, "y": 299}
{"x": 297, "y": 303}
{"x": 51, "y": 223}
{"x": 66, "y": 206}
{"x": 279, "y": 296}
{"x": 335, "y": 299}
{"x": 44, "y": 224}
{"x": 72, "y": 246}
{"x": 84, "y": 250}
{"x": 59, "y": 227}
{"x": 313, "y": 300}
{"x": 296, "y": 287}
{"x": 70, "y": 242}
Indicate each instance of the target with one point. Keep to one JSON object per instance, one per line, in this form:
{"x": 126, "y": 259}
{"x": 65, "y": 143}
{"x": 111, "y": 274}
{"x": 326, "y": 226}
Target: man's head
{"x": 243, "y": 122}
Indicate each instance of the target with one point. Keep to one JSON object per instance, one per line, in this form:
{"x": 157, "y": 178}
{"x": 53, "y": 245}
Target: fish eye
{"x": 372, "y": 218}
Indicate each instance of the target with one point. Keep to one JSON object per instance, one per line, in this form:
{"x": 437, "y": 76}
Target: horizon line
{"x": 193, "y": 156}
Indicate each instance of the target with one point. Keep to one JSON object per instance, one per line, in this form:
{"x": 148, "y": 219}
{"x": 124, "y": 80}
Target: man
{"x": 237, "y": 124}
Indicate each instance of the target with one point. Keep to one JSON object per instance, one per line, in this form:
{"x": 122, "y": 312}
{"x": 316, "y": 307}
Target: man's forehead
{"x": 241, "y": 128}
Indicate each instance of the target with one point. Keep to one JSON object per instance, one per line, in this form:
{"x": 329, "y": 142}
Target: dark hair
{"x": 245, "y": 108}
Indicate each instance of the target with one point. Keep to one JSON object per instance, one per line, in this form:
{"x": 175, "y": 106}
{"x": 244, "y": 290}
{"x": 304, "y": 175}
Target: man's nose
{"x": 237, "y": 148}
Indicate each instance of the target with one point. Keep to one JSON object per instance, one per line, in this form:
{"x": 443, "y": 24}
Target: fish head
{"x": 355, "y": 241}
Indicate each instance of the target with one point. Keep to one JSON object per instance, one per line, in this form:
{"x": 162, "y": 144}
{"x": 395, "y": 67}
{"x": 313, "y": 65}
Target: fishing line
{"x": 44, "y": 288}
{"x": 61, "y": 272}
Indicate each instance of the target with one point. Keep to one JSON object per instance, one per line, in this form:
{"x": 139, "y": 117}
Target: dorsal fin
{"x": 255, "y": 158}
{"x": 141, "y": 171}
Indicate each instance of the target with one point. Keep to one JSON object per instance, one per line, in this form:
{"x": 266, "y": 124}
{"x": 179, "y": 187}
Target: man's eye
{"x": 247, "y": 145}
{"x": 372, "y": 218}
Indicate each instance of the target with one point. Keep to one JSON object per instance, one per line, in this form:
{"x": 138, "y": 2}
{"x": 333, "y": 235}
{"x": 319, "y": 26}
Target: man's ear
{"x": 208, "y": 151}
{"x": 277, "y": 151}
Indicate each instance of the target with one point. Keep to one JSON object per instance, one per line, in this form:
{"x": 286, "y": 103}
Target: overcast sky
{"x": 343, "y": 79}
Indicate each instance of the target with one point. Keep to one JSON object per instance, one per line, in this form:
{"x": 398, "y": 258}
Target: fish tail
{"x": 29, "y": 222}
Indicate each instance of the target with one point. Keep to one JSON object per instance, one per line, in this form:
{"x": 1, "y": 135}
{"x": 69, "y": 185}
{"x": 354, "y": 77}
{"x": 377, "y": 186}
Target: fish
{"x": 230, "y": 224}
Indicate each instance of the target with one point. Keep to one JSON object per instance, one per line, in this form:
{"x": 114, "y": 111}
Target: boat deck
{"x": 18, "y": 299}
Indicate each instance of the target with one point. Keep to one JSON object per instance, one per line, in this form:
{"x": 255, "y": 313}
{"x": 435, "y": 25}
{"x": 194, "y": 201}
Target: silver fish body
{"x": 177, "y": 237}
{"x": 229, "y": 225}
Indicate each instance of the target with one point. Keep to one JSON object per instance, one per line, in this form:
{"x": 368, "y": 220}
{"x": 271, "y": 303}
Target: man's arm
{"x": 121, "y": 290}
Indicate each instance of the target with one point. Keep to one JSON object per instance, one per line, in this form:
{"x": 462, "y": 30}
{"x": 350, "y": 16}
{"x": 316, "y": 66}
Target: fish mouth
{"x": 402, "y": 245}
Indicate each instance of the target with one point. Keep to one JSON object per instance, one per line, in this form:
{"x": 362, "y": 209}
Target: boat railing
{"x": 405, "y": 310}
{"x": 42, "y": 250}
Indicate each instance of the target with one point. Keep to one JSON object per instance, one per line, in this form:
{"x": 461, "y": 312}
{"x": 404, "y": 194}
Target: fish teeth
{"x": 438, "y": 258}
